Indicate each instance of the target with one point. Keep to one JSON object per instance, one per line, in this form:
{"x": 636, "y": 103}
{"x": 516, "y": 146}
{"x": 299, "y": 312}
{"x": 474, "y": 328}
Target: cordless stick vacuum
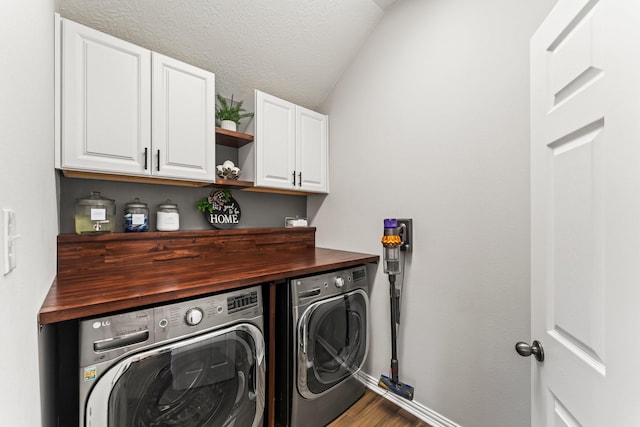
{"x": 391, "y": 242}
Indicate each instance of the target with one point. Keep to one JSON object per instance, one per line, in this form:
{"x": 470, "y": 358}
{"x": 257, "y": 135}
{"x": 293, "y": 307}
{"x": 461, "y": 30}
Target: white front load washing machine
{"x": 194, "y": 363}
{"x": 323, "y": 343}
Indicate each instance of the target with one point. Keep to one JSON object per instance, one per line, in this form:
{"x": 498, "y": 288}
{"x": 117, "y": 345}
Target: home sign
{"x": 225, "y": 211}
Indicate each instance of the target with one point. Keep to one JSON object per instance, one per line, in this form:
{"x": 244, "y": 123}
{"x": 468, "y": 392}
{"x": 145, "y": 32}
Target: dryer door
{"x": 215, "y": 379}
{"x": 332, "y": 337}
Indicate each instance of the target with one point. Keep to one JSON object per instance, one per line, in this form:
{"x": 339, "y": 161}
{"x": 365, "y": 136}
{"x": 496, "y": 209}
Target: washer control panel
{"x": 187, "y": 317}
{"x": 193, "y": 316}
{"x": 108, "y": 337}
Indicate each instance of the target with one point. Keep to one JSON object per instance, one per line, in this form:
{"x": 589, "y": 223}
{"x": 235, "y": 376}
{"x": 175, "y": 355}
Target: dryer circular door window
{"x": 206, "y": 380}
{"x": 332, "y": 338}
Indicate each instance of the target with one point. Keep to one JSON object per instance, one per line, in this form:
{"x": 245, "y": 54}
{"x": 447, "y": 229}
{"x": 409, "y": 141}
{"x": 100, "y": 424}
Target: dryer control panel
{"x": 311, "y": 288}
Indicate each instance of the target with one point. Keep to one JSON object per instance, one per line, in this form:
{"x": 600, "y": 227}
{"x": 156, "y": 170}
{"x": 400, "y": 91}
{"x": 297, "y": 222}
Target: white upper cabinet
{"x": 126, "y": 110}
{"x": 291, "y": 146}
{"x": 275, "y": 139}
{"x": 312, "y": 150}
{"x": 106, "y": 102}
{"x": 183, "y": 120}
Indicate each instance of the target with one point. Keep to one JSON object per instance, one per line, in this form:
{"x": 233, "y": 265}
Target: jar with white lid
{"x": 136, "y": 216}
{"x": 168, "y": 217}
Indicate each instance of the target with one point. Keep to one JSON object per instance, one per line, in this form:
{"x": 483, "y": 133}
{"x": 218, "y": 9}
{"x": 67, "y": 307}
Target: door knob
{"x": 527, "y": 350}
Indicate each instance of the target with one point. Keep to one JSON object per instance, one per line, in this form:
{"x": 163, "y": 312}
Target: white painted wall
{"x": 27, "y": 185}
{"x": 431, "y": 122}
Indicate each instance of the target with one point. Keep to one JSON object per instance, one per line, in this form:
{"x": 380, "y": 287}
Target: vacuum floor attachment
{"x": 396, "y": 387}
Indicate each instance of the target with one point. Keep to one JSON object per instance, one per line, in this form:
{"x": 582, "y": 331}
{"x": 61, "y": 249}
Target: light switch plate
{"x": 9, "y": 237}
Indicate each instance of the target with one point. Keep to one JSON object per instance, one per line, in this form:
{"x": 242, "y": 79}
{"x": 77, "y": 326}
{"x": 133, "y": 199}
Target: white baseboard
{"x": 425, "y": 414}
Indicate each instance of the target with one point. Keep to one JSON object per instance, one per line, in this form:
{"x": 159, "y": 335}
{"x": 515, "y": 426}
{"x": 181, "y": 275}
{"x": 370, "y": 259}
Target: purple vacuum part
{"x": 390, "y": 223}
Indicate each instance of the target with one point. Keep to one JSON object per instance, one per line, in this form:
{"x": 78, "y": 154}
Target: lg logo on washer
{"x": 99, "y": 324}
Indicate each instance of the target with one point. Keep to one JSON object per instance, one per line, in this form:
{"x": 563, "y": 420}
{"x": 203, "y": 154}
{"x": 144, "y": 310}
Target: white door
{"x": 311, "y": 150}
{"x": 106, "y": 102}
{"x": 275, "y": 142}
{"x": 183, "y": 120}
{"x": 585, "y": 213}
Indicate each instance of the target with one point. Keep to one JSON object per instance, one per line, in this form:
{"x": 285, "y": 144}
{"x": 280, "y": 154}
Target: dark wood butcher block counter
{"x": 98, "y": 274}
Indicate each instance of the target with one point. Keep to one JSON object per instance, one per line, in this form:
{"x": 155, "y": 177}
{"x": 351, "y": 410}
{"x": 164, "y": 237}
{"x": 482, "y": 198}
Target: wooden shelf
{"x": 233, "y": 139}
{"x": 132, "y": 178}
{"x": 232, "y": 183}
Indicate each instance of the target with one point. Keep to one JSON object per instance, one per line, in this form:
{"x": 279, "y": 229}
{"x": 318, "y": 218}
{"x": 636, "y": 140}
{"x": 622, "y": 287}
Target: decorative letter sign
{"x": 226, "y": 210}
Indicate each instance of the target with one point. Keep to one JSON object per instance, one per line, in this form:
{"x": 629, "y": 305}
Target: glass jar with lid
{"x": 136, "y": 216}
{"x": 95, "y": 214}
{"x": 168, "y": 217}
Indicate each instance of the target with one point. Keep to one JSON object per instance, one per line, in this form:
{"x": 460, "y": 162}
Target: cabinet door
{"x": 106, "y": 103}
{"x": 312, "y": 149}
{"x": 274, "y": 142}
{"x": 183, "y": 120}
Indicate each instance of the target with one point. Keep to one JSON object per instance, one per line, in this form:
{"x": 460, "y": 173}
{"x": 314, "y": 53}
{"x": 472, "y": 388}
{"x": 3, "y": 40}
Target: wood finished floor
{"x": 374, "y": 410}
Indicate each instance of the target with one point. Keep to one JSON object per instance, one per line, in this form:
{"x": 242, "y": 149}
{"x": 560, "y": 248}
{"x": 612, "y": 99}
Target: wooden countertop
{"x": 162, "y": 269}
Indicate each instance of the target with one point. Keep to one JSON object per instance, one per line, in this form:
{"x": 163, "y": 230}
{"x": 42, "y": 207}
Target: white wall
{"x": 27, "y": 185}
{"x": 431, "y": 122}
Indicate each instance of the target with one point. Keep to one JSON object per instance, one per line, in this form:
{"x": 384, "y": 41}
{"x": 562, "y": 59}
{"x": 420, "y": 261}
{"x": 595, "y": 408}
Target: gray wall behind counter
{"x": 258, "y": 209}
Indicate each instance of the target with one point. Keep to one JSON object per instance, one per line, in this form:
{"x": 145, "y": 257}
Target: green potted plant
{"x": 230, "y": 113}
{"x": 216, "y": 196}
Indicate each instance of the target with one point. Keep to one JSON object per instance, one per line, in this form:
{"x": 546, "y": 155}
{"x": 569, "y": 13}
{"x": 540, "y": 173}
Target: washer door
{"x": 332, "y": 338}
{"x": 215, "y": 379}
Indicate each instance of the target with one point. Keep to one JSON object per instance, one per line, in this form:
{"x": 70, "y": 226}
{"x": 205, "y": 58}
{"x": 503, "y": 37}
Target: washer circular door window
{"x": 332, "y": 336}
{"x": 208, "y": 380}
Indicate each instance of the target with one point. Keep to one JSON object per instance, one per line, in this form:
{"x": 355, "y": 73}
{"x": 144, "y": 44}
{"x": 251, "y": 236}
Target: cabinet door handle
{"x": 294, "y": 178}
{"x": 299, "y": 179}
{"x": 158, "y": 164}
{"x": 146, "y": 156}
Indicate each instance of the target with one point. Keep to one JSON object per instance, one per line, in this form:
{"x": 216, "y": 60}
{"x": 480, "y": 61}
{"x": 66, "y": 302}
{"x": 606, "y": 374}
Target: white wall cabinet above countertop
{"x": 291, "y": 150}
{"x": 126, "y": 113}
{"x": 123, "y": 109}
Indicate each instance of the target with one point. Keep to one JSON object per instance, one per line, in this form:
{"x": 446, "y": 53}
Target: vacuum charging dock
{"x": 406, "y": 233}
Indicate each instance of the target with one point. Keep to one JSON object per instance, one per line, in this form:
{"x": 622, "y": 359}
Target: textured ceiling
{"x": 294, "y": 49}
